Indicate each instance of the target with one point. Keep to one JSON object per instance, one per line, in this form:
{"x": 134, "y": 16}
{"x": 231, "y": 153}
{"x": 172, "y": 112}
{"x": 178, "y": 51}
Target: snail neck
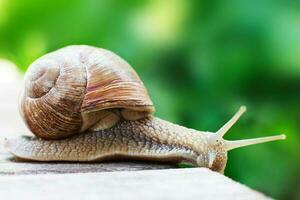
{"x": 160, "y": 140}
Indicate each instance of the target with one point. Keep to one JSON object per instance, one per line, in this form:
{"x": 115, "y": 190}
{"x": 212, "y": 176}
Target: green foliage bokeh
{"x": 200, "y": 61}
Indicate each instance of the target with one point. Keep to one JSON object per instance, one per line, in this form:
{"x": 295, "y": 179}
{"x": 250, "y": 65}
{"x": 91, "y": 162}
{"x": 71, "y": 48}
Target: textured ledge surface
{"x": 193, "y": 183}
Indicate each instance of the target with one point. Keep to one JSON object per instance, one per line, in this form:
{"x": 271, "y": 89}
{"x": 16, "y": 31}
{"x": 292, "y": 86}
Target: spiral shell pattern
{"x": 62, "y": 85}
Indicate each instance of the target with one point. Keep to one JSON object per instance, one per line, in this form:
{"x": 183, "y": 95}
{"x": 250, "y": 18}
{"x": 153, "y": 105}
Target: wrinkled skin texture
{"x": 146, "y": 139}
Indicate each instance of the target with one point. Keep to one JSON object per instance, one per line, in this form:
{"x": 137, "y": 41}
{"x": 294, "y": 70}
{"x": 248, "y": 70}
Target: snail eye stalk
{"x": 229, "y": 145}
{"x": 222, "y": 131}
{"x": 218, "y": 136}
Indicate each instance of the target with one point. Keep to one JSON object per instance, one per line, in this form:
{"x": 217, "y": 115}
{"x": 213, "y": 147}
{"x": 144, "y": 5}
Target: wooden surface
{"x": 196, "y": 183}
{"x": 121, "y": 180}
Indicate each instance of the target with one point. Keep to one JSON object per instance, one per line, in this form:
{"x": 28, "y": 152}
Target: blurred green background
{"x": 200, "y": 61}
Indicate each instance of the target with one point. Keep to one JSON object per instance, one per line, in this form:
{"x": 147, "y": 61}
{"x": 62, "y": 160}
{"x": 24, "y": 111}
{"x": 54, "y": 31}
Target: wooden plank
{"x": 193, "y": 183}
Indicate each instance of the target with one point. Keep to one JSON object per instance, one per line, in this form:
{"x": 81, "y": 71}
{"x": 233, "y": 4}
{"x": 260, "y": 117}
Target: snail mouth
{"x": 219, "y": 163}
{"x": 214, "y": 160}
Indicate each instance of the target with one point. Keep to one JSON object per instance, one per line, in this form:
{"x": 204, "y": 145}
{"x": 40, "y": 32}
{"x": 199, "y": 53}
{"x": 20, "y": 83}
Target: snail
{"x": 87, "y": 104}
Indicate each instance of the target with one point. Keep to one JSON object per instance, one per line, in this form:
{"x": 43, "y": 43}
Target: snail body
{"x": 87, "y": 104}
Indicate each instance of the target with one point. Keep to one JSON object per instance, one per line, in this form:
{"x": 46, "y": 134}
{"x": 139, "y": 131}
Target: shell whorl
{"x": 64, "y": 84}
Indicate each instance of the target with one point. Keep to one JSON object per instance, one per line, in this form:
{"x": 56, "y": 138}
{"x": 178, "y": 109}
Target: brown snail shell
{"x": 68, "y": 90}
